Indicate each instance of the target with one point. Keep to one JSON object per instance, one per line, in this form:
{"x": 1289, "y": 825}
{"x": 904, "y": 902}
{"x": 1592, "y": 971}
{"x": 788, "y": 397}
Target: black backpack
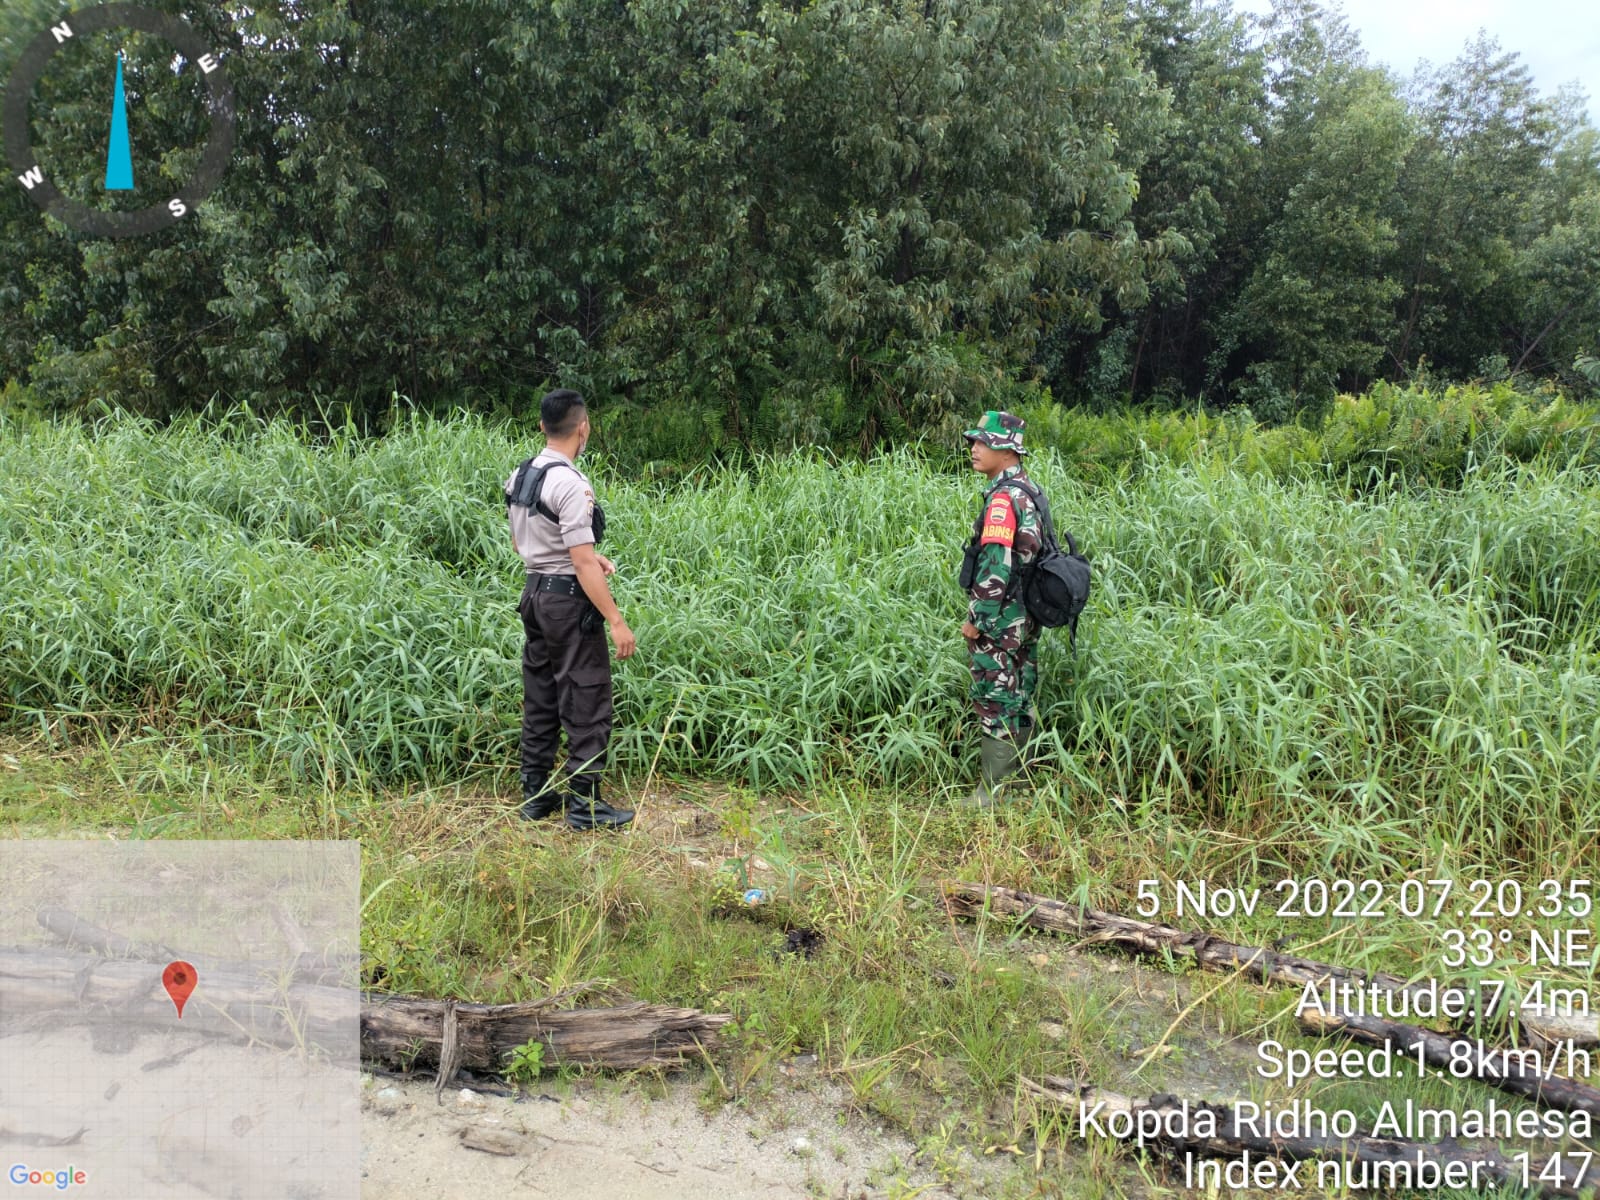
{"x": 525, "y": 490}
{"x": 1055, "y": 586}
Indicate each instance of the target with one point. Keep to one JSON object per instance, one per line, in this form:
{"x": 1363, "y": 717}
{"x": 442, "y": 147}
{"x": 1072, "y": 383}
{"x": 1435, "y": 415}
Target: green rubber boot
{"x": 1028, "y": 735}
{"x": 999, "y": 760}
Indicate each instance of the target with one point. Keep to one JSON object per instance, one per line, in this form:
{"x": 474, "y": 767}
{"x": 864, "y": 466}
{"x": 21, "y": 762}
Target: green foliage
{"x": 1559, "y": 314}
{"x": 1413, "y": 434}
{"x": 1363, "y": 231}
{"x": 343, "y": 607}
{"x": 1463, "y": 210}
{"x": 525, "y": 1063}
{"x": 748, "y": 224}
{"x": 1311, "y": 314}
{"x": 1438, "y": 438}
{"x": 1198, "y": 192}
{"x": 678, "y": 209}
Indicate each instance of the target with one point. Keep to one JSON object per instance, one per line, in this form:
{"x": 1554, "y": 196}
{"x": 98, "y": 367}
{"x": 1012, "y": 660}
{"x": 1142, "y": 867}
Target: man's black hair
{"x": 560, "y": 411}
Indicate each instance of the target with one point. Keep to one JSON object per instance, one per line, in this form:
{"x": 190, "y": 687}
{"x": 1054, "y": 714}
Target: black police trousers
{"x": 566, "y": 684}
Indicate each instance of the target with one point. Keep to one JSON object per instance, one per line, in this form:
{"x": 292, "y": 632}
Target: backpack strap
{"x": 526, "y": 486}
{"x": 1043, "y": 502}
{"x": 1031, "y": 490}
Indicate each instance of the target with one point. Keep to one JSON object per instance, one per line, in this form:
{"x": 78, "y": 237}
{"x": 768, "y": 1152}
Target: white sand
{"x": 610, "y": 1143}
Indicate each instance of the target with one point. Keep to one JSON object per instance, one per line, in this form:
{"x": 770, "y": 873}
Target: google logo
{"x": 60, "y": 1180}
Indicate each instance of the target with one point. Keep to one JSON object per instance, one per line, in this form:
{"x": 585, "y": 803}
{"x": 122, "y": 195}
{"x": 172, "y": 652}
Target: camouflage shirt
{"x": 1009, "y": 538}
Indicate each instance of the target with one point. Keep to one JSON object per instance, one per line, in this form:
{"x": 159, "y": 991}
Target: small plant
{"x": 739, "y": 816}
{"x": 525, "y": 1063}
{"x": 944, "y": 1155}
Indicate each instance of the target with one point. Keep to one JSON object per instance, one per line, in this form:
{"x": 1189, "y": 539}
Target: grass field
{"x": 237, "y": 631}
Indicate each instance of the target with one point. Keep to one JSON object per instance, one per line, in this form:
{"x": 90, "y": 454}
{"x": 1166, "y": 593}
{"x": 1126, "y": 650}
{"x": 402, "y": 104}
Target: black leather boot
{"x": 585, "y": 809}
{"x": 539, "y": 798}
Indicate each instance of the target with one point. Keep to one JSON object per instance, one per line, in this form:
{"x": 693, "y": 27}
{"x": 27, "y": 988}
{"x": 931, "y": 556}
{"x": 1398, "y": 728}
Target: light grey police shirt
{"x": 567, "y": 493}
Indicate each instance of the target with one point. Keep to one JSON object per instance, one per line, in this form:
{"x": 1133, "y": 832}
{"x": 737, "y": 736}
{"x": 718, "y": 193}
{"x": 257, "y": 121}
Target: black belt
{"x": 564, "y": 585}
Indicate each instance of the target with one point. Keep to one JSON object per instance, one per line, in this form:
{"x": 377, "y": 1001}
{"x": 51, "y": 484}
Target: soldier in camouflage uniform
{"x": 1001, "y": 637}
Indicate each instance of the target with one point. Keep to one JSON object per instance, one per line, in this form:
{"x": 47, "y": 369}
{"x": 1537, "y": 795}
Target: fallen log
{"x": 293, "y": 935}
{"x": 79, "y": 931}
{"x": 1179, "y": 1125}
{"x": 1213, "y": 953}
{"x": 409, "y": 1031}
{"x": 124, "y": 998}
{"x": 1507, "y": 1070}
{"x": 304, "y": 964}
{"x": 48, "y": 989}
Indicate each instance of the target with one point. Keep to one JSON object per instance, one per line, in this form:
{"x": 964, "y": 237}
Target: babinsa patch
{"x": 999, "y": 522}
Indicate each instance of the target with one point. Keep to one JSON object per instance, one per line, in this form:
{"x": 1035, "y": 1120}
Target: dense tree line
{"x": 742, "y": 221}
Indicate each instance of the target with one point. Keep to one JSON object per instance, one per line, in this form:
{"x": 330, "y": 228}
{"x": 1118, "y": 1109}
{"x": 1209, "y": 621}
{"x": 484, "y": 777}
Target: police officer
{"x": 1001, "y": 637}
{"x": 566, "y": 668}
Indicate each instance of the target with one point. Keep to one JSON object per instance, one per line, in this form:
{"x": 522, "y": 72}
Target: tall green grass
{"x": 1418, "y": 434}
{"x": 1382, "y": 666}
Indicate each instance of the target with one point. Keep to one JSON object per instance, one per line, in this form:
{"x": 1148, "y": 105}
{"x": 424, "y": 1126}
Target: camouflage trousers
{"x": 1004, "y": 679}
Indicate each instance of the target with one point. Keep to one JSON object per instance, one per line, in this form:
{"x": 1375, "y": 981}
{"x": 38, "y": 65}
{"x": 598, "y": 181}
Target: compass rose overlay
{"x": 31, "y": 67}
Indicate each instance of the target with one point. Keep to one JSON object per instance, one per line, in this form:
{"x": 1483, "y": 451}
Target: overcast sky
{"x": 1558, "y": 40}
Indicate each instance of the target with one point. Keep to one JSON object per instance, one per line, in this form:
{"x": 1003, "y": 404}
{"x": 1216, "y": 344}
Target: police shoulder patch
{"x": 999, "y": 522}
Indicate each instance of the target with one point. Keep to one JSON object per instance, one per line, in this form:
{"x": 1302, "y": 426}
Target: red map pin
{"x": 179, "y": 978}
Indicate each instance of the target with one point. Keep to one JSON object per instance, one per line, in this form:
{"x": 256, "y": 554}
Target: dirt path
{"x": 609, "y": 1143}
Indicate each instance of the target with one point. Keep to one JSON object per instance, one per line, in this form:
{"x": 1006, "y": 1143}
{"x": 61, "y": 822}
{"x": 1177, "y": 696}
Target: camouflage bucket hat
{"x": 998, "y": 431}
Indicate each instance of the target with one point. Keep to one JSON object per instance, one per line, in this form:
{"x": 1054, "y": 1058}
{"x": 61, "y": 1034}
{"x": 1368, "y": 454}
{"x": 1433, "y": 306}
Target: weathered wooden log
{"x": 293, "y": 936}
{"x": 126, "y": 995}
{"x": 334, "y": 971}
{"x": 79, "y": 931}
{"x": 1213, "y": 953}
{"x": 1514, "y": 1071}
{"x": 1367, "y": 1162}
{"x": 408, "y": 1031}
{"x": 53, "y": 988}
